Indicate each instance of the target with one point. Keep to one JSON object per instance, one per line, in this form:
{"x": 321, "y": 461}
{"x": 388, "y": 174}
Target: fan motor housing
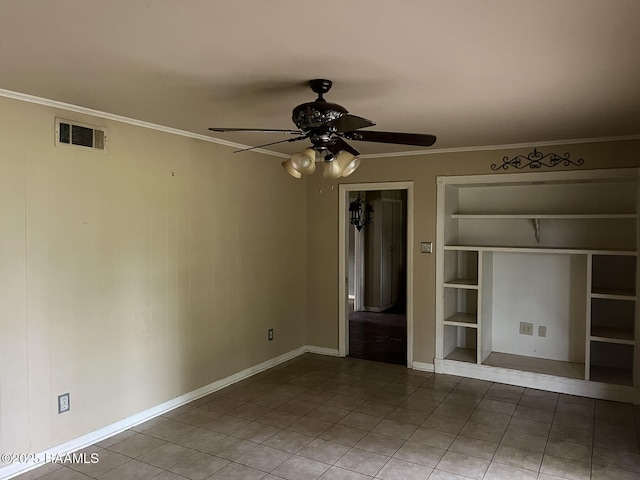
{"x": 316, "y": 114}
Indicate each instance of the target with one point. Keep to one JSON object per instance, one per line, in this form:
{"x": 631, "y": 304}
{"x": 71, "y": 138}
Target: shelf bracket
{"x": 536, "y": 227}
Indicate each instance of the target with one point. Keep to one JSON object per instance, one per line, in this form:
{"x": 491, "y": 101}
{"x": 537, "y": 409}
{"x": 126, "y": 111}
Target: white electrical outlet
{"x": 542, "y": 331}
{"x": 63, "y": 403}
{"x": 526, "y": 328}
{"x": 426, "y": 247}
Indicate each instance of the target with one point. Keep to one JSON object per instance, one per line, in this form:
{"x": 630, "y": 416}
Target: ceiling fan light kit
{"x": 332, "y": 170}
{"x": 326, "y": 125}
{"x": 304, "y": 162}
{"x": 290, "y": 170}
{"x": 348, "y": 163}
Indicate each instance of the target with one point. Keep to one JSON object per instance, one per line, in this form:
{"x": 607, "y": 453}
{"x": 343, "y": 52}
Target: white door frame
{"x": 343, "y": 264}
{"x": 358, "y": 270}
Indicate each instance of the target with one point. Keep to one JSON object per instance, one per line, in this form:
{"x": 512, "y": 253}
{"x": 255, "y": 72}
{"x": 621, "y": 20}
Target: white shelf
{"x": 621, "y": 336}
{"x": 570, "y": 251}
{"x": 467, "y": 355}
{"x": 545, "y": 216}
{"x": 614, "y": 295}
{"x": 535, "y": 365}
{"x": 469, "y": 283}
{"x": 462, "y": 320}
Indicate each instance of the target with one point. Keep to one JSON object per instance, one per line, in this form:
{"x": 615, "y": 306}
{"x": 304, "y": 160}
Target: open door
{"x": 388, "y": 276}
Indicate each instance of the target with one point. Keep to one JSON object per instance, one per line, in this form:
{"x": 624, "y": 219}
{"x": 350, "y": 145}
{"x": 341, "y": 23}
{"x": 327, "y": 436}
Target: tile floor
{"x": 328, "y": 418}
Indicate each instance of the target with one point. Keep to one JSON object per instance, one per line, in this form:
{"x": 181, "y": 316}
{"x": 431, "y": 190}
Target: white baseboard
{"x": 78, "y": 443}
{"x": 332, "y": 352}
{"x": 423, "y": 367}
{"x": 551, "y": 383}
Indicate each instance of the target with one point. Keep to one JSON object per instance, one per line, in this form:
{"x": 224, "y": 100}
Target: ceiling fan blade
{"x": 348, "y": 123}
{"x": 340, "y": 144}
{"x": 256, "y": 130}
{"x": 272, "y": 143}
{"x": 417, "y": 139}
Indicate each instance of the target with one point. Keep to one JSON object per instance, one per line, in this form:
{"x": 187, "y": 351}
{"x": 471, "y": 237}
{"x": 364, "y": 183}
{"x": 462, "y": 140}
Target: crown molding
{"x": 161, "y": 128}
{"x": 511, "y": 146}
{"x": 130, "y": 121}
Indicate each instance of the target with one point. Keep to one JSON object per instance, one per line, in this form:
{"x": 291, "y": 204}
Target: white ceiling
{"x": 472, "y": 72}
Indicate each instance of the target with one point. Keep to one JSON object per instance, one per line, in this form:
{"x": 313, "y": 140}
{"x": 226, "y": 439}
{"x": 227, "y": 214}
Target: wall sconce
{"x": 355, "y": 210}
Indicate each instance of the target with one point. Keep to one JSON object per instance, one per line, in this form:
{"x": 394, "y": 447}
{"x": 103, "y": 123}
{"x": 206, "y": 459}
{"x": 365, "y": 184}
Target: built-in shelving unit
{"x": 555, "y": 250}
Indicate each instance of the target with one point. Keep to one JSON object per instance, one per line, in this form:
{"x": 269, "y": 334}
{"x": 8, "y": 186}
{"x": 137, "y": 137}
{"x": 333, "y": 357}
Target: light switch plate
{"x": 426, "y": 247}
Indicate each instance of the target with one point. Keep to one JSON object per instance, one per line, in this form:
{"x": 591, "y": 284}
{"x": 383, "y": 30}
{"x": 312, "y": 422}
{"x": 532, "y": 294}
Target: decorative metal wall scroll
{"x": 535, "y": 160}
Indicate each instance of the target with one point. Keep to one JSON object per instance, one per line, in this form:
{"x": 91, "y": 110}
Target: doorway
{"x": 376, "y": 305}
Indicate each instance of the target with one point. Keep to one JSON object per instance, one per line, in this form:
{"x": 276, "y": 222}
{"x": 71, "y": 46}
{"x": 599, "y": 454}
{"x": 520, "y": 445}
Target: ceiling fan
{"x": 327, "y": 125}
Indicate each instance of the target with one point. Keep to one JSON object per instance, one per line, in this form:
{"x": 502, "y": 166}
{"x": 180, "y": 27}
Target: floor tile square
{"x": 497, "y": 406}
{"x": 482, "y": 432}
{"x": 278, "y": 418}
{"x": 328, "y": 413}
{"x": 337, "y": 473}
{"x": 465, "y": 465}
{"x": 444, "y": 424}
{"x": 230, "y": 448}
{"x": 263, "y": 458}
{"x": 518, "y": 457}
{"x": 407, "y": 415}
{"x": 524, "y": 441}
{"x": 441, "y": 475}
{"x": 300, "y": 468}
{"x": 382, "y": 444}
{"x": 531, "y": 427}
{"x": 197, "y": 417}
{"x": 288, "y": 441}
{"x": 324, "y": 451}
{"x": 343, "y": 435}
{"x": 376, "y": 409}
{"x": 256, "y": 432}
{"x": 434, "y": 438}
{"x": 136, "y": 445}
{"x": 198, "y": 438}
{"x": 250, "y": 411}
{"x": 420, "y": 454}
{"x": 166, "y": 455}
{"x": 571, "y": 434}
{"x": 133, "y": 470}
{"x": 570, "y": 450}
{"x": 454, "y": 411}
{"x": 107, "y": 460}
{"x": 474, "y": 447}
{"x": 298, "y": 406}
{"x": 226, "y": 424}
{"x": 532, "y": 413}
{"x": 310, "y": 426}
{"x": 565, "y": 468}
{"x": 361, "y": 461}
{"x": 235, "y": 471}
{"x": 396, "y": 469}
{"x": 360, "y": 420}
{"x": 199, "y": 466}
{"x": 497, "y": 471}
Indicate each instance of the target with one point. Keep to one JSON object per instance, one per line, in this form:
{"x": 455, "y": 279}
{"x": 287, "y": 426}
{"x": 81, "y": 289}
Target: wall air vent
{"x": 80, "y": 135}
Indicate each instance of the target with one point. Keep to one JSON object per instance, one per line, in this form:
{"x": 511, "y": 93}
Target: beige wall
{"x": 322, "y": 262}
{"x": 131, "y": 277}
